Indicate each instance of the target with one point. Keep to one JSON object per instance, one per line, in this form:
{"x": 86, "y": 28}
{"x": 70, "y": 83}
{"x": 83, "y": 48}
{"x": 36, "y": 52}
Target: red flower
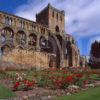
{"x": 69, "y": 79}
{"x": 25, "y": 81}
{"x": 16, "y": 85}
{"x": 29, "y": 84}
{"x": 79, "y": 75}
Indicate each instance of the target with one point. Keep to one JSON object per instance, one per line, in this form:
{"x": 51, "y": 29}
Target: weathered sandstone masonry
{"x": 32, "y": 59}
{"x": 40, "y": 44}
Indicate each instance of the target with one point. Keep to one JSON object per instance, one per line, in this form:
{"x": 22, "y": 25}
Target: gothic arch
{"x": 21, "y": 38}
{"x": 7, "y": 35}
{"x": 69, "y": 53}
{"x": 57, "y": 28}
{"x": 32, "y": 39}
{"x": 7, "y": 29}
{"x": 55, "y": 49}
{"x": 8, "y": 20}
{"x": 6, "y": 49}
{"x": 43, "y": 43}
{"x": 59, "y": 37}
{"x": 72, "y": 54}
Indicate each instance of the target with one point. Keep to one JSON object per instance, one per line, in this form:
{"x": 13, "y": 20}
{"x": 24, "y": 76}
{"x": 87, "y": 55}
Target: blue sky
{"x": 11, "y": 5}
{"x": 82, "y": 17}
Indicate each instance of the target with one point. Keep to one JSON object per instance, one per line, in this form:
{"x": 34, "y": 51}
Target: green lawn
{"x": 5, "y": 92}
{"x": 95, "y": 77}
{"x": 91, "y": 94}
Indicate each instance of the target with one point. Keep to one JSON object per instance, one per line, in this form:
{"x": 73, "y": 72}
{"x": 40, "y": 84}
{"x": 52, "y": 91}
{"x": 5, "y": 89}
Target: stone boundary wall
{"x": 29, "y": 59}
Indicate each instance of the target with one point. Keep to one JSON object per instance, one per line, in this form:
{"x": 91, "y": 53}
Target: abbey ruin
{"x": 43, "y": 43}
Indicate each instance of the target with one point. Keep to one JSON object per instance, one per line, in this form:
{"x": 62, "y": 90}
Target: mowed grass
{"x": 91, "y": 94}
{"x": 5, "y": 92}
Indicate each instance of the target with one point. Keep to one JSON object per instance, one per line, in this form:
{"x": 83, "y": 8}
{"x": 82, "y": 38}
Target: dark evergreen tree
{"x": 94, "y": 60}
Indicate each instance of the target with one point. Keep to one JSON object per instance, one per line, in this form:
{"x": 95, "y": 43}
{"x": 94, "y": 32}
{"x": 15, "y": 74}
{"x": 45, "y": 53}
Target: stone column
{"x": 62, "y": 63}
{"x": 38, "y": 44}
{"x": 27, "y": 39}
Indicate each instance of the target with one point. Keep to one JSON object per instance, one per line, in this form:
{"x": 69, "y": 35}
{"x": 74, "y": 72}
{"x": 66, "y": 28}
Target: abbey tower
{"x": 53, "y": 18}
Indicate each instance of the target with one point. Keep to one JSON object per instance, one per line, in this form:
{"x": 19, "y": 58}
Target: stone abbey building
{"x": 43, "y": 43}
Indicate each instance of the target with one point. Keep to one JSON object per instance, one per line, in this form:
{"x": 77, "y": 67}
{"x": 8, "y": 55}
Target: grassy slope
{"x": 5, "y": 92}
{"x": 91, "y": 94}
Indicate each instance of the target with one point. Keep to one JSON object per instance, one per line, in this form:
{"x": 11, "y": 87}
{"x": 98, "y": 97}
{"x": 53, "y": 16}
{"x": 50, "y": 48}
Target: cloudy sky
{"x": 82, "y": 17}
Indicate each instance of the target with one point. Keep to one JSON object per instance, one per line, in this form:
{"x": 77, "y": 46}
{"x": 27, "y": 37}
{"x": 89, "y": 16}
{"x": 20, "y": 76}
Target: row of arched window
{"x": 20, "y": 37}
{"x": 9, "y": 21}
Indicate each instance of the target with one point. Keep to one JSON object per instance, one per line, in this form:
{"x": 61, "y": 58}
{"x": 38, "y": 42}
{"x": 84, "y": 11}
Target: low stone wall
{"x": 29, "y": 58}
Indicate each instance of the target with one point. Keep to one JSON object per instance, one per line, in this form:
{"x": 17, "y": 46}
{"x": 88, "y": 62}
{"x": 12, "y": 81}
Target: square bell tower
{"x": 53, "y": 18}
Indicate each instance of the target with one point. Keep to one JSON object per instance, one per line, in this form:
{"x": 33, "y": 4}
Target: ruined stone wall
{"x": 45, "y": 35}
{"x": 30, "y": 58}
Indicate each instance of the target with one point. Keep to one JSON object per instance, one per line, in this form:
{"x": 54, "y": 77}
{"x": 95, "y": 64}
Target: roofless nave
{"x": 46, "y": 36}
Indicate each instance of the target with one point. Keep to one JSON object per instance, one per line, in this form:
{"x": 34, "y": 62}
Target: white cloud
{"x": 85, "y": 22}
{"x": 82, "y": 16}
{"x": 30, "y": 9}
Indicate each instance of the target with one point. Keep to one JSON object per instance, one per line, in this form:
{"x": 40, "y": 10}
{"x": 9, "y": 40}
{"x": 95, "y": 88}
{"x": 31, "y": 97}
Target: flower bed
{"x": 53, "y": 78}
{"x": 61, "y": 78}
{"x": 21, "y": 83}
{"x": 63, "y": 81}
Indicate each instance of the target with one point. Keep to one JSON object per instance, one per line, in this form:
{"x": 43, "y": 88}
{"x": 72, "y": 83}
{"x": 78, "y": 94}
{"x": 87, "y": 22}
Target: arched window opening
{"x": 32, "y": 40}
{"x": 57, "y": 29}
{"x": 7, "y": 35}
{"x": 5, "y": 49}
{"x": 43, "y": 30}
{"x": 21, "y": 38}
{"x": 22, "y": 24}
{"x": 3, "y": 39}
{"x": 8, "y": 21}
{"x": 43, "y": 43}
